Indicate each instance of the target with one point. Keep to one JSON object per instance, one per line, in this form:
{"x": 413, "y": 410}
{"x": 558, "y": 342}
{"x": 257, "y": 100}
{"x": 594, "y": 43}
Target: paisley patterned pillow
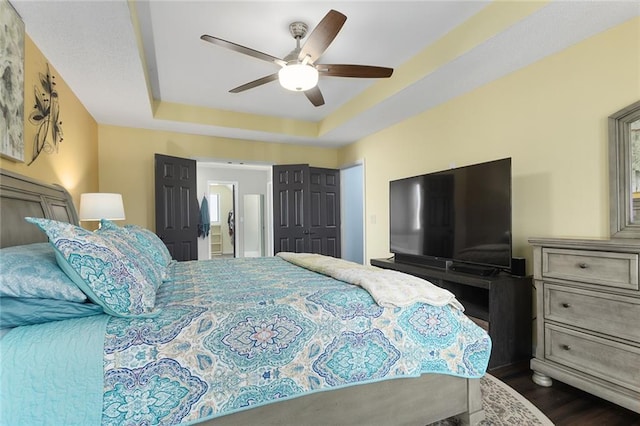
{"x": 152, "y": 242}
{"x": 152, "y": 267}
{"x": 101, "y": 269}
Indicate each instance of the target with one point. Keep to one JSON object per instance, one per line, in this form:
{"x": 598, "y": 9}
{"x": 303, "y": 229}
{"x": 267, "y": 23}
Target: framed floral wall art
{"x": 11, "y": 83}
{"x": 46, "y": 116}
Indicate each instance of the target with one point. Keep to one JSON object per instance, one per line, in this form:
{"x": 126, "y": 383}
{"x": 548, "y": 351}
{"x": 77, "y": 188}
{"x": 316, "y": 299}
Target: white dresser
{"x": 588, "y": 316}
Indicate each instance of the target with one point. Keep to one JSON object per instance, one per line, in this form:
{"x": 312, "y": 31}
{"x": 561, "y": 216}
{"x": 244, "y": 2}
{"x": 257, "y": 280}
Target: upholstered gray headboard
{"x": 21, "y": 196}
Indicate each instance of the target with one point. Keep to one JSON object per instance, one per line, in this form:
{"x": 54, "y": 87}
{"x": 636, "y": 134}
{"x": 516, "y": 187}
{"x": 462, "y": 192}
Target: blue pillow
{"x": 31, "y": 271}
{"x": 101, "y": 269}
{"x": 129, "y": 245}
{"x": 17, "y": 311}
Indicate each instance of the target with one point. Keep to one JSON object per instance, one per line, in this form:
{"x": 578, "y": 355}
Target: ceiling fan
{"x": 299, "y": 71}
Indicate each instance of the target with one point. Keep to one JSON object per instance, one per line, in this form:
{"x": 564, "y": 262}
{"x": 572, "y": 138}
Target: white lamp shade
{"x": 101, "y": 205}
{"x": 298, "y": 77}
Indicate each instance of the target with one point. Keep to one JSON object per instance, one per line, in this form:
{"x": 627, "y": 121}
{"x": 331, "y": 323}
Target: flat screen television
{"x": 459, "y": 217}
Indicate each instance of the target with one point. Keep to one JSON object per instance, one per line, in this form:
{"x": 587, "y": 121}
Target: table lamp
{"x": 95, "y": 206}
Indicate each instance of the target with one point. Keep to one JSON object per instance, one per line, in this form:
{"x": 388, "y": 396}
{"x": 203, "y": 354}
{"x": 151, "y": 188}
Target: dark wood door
{"x": 177, "y": 206}
{"x": 290, "y": 189}
{"x": 306, "y": 209}
{"x": 324, "y": 211}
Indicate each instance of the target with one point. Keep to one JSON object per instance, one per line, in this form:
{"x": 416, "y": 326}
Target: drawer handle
{"x": 583, "y": 265}
{"x": 565, "y": 347}
{"x": 566, "y": 305}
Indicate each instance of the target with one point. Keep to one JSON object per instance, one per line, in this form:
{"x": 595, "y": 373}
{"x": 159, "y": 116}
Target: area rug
{"x": 504, "y": 406}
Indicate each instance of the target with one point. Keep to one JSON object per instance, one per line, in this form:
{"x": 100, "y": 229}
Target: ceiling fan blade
{"x": 315, "y": 96}
{"x": 357, "y": 71}
{"x": 242, "y": 49}
{"x": 322, "y": 35}
{"x": 255, "y": 83}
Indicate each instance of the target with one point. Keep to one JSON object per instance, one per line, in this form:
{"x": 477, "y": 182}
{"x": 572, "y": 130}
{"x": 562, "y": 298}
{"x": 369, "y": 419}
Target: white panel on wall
{"x": 352, "y": 202}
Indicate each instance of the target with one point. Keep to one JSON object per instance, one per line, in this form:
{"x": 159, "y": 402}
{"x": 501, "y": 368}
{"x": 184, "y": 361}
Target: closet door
{"x": 324, "y": 211}
{"x": 306, "y": 209}
{"x": 290, "y": 208}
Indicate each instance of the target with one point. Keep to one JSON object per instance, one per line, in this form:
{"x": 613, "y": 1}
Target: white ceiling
{"x": 94, "y": 46}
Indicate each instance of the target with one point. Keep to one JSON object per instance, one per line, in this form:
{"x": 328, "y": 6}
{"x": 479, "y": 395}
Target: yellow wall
{"x": 75, "y": 165}
{"x": 127, "y": 158}
{"x": 550, "y": 117}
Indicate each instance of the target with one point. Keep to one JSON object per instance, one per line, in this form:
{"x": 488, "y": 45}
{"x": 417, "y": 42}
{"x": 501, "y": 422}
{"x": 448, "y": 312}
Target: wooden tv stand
{"x": 500, "y": 303}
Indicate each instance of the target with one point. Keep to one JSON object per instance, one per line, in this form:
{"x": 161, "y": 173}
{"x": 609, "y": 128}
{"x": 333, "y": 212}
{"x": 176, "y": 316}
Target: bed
{"x": 199, "y": 355}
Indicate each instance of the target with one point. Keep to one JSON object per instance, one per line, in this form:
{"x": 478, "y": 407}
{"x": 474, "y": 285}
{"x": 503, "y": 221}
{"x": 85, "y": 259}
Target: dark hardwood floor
{"x": 565, "y": 405}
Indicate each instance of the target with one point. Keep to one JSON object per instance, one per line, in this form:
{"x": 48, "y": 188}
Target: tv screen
{"x": 462, "y": 214}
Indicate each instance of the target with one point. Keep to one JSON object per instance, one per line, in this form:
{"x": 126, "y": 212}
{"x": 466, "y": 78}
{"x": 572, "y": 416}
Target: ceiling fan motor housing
{"x": 298, "y": 29}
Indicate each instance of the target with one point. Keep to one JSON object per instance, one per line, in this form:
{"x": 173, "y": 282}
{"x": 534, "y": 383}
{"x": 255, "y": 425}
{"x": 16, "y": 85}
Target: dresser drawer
{"x": 600, "y": 312}
{"x": 598, "y": 357}
{"x": 605, "y": 268}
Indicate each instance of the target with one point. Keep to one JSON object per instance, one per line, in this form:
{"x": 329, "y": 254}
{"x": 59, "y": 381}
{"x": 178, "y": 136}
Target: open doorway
{"x": 255, "y": 219}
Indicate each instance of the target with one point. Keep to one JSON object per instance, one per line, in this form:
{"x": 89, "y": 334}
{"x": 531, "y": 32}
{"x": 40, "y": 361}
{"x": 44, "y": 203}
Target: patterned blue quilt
{"x": 238, "y": 333}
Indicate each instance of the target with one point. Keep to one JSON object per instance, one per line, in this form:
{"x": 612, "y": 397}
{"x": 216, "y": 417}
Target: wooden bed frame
{"x": 410, "y": 401}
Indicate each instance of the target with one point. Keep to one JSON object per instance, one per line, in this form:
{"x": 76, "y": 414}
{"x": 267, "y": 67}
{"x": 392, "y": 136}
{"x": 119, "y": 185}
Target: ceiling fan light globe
{"x": 298, "y": 77}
